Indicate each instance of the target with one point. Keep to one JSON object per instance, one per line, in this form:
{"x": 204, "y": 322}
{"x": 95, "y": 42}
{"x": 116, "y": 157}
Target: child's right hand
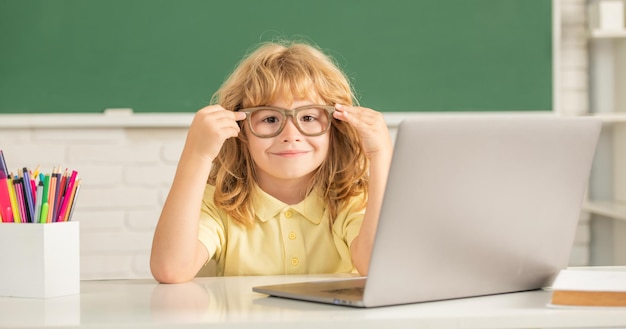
{"x": 177, "y": 254}
{"x": 210, "y": 127}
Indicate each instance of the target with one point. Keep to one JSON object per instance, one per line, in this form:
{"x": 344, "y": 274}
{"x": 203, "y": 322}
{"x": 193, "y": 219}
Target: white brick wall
{"x": 127, "y": 171}
{"x": 126, "y": 174}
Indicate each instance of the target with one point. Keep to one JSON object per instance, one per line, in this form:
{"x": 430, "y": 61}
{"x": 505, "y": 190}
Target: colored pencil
{"x": 35, "y": 197}
{"x": 13, "y": 196}
{"x": 73, "y": 202}
{"x": 5, "y": 199}
{"x": 19, "y": 192}
{"x": 28, "y": 195}
{"x": 44, "y": 199}
{"x": 38, "y": 203}
{"x": 51, "y": 196}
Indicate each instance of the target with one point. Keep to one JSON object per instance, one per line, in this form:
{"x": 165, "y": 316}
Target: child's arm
{"x": 177, "y": 254}
{"x": 377, "y": 144}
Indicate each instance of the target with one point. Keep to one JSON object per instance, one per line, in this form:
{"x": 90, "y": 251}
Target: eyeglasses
{"x": 269, "y": 121}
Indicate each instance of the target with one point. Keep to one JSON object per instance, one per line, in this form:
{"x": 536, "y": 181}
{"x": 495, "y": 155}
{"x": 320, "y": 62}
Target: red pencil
{"x": 19, "y": 192}
{"x": 67, "y": 197}
{"x": 5, "y": 199}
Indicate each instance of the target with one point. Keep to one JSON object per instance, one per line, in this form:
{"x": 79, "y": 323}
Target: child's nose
{"x": 290, "y": 132}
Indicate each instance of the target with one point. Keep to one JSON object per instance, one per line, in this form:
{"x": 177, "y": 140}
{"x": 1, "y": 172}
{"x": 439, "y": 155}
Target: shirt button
{"x": 288, "y": 213}
{"x": 292, "y": 236}
{"x": 295, "y": 261}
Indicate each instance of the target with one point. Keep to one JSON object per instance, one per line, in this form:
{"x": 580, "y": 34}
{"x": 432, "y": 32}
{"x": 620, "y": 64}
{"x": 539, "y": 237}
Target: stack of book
{"x": 590, "y": 287}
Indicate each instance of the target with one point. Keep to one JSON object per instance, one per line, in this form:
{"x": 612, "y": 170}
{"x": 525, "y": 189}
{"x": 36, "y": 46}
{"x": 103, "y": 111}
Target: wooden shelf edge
{"x": 610, "y": 117}
{"x": 603, "y": 34}
{"x": 613, "y": 209}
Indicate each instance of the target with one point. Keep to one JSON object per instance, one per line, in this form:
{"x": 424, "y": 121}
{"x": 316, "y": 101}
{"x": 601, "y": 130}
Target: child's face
{"x": 289, "y": 156}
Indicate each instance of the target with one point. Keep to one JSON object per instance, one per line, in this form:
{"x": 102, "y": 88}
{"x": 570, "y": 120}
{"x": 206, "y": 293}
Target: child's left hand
{"x": 371, "y": 125}
{"x": 378, "y": 148}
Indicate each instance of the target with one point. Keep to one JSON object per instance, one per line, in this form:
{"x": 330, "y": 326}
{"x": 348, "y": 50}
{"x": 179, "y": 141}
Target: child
{"x": 296, "y": 174}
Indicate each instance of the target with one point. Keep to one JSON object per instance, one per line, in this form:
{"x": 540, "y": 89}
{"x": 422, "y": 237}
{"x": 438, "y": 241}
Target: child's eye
{"x": 271, "y": 119}
{"x": 308, "y": 118}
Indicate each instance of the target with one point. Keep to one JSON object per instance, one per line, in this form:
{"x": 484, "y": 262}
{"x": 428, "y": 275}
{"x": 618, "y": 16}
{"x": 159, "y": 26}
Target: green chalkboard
{"x": 60, "y": 56}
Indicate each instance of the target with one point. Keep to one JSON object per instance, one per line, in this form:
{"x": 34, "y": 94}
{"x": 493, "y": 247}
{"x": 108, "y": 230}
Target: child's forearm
{"x": 361, "y": 248}
{"x": 177, "y": 254}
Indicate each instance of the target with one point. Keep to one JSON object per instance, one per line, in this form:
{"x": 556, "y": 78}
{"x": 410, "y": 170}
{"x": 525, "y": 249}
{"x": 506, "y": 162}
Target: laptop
{"x": 474, "y": 205}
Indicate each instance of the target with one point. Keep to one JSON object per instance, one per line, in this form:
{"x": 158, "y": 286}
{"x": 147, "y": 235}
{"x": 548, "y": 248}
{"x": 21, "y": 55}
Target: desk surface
{"x": 228, "y": 302}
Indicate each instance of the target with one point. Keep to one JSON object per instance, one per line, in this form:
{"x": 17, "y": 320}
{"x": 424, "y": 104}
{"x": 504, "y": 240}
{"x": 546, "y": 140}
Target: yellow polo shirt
{"x": 285, "y": 239}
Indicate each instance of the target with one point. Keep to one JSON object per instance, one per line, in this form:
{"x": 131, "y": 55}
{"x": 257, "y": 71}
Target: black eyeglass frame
{"x": 288, "y": 113}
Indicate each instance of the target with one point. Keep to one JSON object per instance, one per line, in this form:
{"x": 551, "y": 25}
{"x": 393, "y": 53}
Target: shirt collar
{"x": 266, "y": 206}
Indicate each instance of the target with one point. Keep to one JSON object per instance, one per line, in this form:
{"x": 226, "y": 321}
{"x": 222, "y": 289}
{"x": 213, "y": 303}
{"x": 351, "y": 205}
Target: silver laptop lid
{"x": 479, "y": 205}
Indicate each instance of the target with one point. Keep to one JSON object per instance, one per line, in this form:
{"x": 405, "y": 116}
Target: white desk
{"x": 230, "y": 303}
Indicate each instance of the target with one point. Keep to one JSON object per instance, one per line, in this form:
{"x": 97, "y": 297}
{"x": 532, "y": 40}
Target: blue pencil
{"x": 4, "y": 172}
{"x": 28, "y": 195}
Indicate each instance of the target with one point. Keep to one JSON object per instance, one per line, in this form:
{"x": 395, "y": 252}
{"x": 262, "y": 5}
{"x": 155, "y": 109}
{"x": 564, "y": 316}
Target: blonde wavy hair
{"x": 293, "y": 71}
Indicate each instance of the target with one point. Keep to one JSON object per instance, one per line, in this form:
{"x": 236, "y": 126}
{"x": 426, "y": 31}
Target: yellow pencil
{"x": 36, "y": 173}
{"x": 14, "y": 206}
{"x": 51, "y": 195}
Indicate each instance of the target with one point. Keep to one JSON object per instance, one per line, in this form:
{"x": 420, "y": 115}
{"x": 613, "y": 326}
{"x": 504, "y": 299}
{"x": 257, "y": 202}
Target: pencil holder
{"x": 39, "y": 260}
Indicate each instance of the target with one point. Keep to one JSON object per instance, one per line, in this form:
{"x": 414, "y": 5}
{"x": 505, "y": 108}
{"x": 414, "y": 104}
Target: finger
{"x": 211, "y": 116}
{"x": 219, "y": 110}
{"x": 212, "y": 108}
{"x": 228, "y": 125}
{"x": 218, "y": 125}
{"x": 357, "y": 116}
{"x": 344, "y": 113}
{"x": 239, "y": 116}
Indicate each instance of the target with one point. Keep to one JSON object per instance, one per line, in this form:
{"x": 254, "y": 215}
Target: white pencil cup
{"x": 39, "y": 260}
